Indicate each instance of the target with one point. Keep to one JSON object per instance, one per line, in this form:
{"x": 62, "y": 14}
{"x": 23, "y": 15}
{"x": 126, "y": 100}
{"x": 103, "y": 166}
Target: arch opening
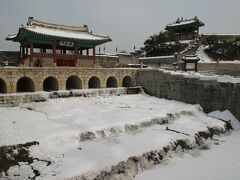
{"x": 111, "y": 82}
{"x": 50, "y": 84}
{"x": 3, "y": 86}
{"x": 94, "y": 82}
{"x": 73, "y": 82}
{"x": 127, "y": 81}
{"x": 25, "y": 84}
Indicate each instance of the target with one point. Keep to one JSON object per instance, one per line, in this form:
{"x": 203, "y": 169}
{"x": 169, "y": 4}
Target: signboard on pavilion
{"x": 66, "y": 43}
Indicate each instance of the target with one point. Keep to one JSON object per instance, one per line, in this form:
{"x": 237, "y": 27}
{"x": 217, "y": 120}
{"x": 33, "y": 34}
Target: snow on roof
{"x": 191, "y": 58}
{"x": 34, "y": 22}
{"x": 64, "y": 33}
{"x": 181, "y": 42}
{"x": 216, "y": 34}
{"x": 11, "y": 36}
{"x": 49, "y": 29}
{"x": 182, "y": 22}
{"x": 157, "y": 57}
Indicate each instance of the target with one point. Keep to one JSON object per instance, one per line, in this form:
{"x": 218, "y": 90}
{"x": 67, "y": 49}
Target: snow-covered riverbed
{"x": 73, "y": 137}
{"x": 219, "y": 162}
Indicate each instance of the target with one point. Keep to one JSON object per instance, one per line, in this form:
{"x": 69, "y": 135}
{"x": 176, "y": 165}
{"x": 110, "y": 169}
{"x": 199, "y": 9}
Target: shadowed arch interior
{"x": 25, "y": 84}
{"x": 73, "y": 82}
{"x": 50, "y": 84}
{"x": 111, "y": 82}
{"x": 127, "y": 81}
{"x": 3, "y": 86}
{"x": 94, "y": 82}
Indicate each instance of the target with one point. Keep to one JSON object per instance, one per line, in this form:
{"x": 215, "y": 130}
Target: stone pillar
{"x": 12, "y": 88}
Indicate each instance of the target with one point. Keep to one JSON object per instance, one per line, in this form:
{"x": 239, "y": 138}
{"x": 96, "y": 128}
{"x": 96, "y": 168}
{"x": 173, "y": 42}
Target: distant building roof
{"x": 185, "y": 23}
{"x": 55, "y": 31}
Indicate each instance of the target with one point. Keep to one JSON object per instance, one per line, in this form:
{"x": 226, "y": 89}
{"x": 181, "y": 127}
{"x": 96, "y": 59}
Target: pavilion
{"x": 48, "y": 45}
{"x": 185, "y": 29}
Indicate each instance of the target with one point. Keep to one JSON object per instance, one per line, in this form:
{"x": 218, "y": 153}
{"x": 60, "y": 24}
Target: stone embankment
{"x": 16, "y": 99}
{"x": 210, "y": 93}
{"x": 133, "y": 165}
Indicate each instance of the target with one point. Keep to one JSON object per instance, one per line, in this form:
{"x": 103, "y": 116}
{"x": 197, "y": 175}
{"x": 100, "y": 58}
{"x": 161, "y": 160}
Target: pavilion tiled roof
{"x": 183, "y": 23}
{"x": 58, "y": 31}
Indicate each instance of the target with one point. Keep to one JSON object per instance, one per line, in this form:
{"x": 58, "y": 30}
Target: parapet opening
{"x": 25, "y": 84}
{"x": 3, "y": 86}
{"x": 127, "y": 81}
{"x": 50, "y": 84}
{"x": 73, "y": 82}
{"x": 94, "y": 82}
{"x": 111, "y": 82}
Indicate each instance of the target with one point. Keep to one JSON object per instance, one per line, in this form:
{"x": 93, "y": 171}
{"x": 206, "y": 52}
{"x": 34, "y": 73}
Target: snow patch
{"x": 227, "y": 116}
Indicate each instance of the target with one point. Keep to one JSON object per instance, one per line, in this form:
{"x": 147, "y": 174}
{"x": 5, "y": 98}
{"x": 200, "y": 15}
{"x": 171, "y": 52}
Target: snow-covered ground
{"x": 204, "y": 76}
{"x": 219, "y": 162}
{"x": 83, "y": 136}
{"x": 202, "y": 55}
{"x": 204, "y": 58}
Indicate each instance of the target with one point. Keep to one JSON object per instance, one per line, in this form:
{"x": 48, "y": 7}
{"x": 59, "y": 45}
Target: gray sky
{"x": 128, "y": 22}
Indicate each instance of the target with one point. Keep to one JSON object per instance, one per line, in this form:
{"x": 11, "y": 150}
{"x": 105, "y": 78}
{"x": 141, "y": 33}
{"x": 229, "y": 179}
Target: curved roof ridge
{"x": 34, "y": 22}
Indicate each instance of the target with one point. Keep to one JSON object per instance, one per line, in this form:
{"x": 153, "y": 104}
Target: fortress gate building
{"x": 187, "y": 29}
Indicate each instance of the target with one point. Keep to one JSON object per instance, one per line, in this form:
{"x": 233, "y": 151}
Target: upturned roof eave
{"x": 183, "y": 26}
{"x": 21, "y": 30}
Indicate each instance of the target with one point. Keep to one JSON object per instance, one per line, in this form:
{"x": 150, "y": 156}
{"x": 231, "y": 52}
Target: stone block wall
{"x": 158, "y": 60}
{"x": 227, "y": 68}
{"x": 107, "y": 61}
{"x": 11, "y": 76}
{"x": 210, "y": 94}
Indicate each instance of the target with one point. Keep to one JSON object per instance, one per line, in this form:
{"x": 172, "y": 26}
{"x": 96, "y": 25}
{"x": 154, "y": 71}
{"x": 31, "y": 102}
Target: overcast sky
{"x": 128, "y": 22}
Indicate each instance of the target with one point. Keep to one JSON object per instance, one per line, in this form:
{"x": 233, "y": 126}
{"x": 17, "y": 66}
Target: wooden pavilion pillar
{"x": 76, "y": 54}
{"x": 21, "y": 56}
{"x": 20, "y": 50}
{"x": 94, "y": 54}
{"x": 27, "y": 50}
{"x": 31, "y": 52}
{"x": 54, "y": 52}
{"x": 23, "y": 51}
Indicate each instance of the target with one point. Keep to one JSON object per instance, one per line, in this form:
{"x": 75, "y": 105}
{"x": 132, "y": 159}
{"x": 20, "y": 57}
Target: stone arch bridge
{"x": 52, "y": 79}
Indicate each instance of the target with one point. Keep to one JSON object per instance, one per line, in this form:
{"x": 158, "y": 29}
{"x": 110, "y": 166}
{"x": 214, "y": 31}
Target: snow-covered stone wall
{"x": 230, "y": 68}
{"x": 210, "y": 92}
